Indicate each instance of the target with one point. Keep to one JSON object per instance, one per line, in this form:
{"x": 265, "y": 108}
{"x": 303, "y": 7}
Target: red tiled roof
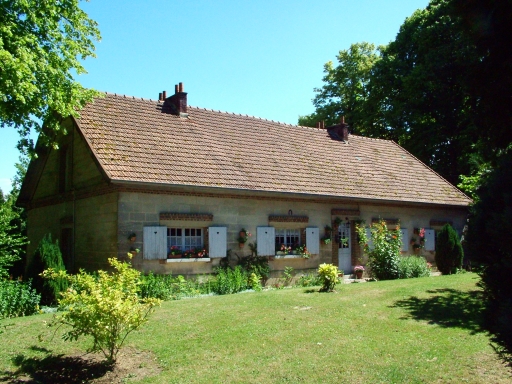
{"x": 134, "y": 140}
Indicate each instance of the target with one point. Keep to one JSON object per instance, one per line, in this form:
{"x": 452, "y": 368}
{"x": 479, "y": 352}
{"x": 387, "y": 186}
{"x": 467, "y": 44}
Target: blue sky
{"x": 261, "y": 58}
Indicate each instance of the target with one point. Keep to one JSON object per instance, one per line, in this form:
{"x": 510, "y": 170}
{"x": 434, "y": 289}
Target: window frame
{"x": 289, "y": 235}
{"x": 183, "y": 246}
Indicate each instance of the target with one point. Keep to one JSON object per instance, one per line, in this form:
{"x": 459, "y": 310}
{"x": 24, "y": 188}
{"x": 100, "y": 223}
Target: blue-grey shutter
{"x": 217, "y": 241}
{"x": 313, "y": 240}
{"x": 405, "y": 239}
{"x": 430, "y": 240}
{"x": 266, "y": 240}
{"x": 155, "y": 243}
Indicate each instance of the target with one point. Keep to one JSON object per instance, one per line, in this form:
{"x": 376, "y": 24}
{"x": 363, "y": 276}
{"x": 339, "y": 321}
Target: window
{"x": 287, "y": 237}
{"x": 185, "y": 239}
{"x": 270, "y": 240}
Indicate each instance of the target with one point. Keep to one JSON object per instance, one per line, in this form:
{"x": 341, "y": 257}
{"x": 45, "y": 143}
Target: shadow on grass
{"x": 447, "y": 308}
{"x": 54, "y": 369}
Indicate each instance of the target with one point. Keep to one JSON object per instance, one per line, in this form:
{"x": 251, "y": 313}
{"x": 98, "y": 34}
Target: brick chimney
{"x": 177, "y": 103}
{"x": 339, "y": 131}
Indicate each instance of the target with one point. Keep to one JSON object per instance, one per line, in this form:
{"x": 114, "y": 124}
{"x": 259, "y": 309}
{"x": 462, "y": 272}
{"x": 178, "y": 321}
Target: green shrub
{"x": 308, "y": 280}
{"x": 449, "y": 252}
{"x": 157, "y": 286}
{"x": 105, "y": 307}
{"x": 230, "y": 280}
{"x": 413, "y": 266}
{"x": 47, "y": 256}
{"x": 384, "y": 255}
{"x": 255, "y": 264}
{"x": 328, "y": 275}
{"x": 17, "y": 299}
{"x": 167, "y": 287}
{"x": 254, "y": 282}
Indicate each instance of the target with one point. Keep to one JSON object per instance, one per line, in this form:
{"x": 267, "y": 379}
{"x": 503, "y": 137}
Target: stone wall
{"x": 137, "y": 210}
{"x": 95, "y": 231}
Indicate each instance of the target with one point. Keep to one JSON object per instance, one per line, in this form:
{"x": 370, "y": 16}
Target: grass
{"x": 425, "y": 330}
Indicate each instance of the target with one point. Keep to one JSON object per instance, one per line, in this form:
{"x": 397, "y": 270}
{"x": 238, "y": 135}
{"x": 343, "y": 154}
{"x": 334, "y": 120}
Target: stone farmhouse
{"x": 179, "y": 183}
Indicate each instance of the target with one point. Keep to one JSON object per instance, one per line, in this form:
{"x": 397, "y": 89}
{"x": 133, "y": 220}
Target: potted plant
{"x": 302, "y": 251}
{"x": 174, "y": 252}
{"x": 243, "y": 236}
{"x": 284, "y": 250}
{"x": 359, "y": 270}
{"x": 328, "y": 233}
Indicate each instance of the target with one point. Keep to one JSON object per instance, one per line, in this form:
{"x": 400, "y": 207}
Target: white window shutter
{"x": 369, "y": 237}
{"x": 217, "y": 241}
{"x": 155, "y": 243}
{"x": 266, "y": 240}
{"x": 430, "y": 240}
{"x": 313, "y": 240}
{"x": 405, "y": 239}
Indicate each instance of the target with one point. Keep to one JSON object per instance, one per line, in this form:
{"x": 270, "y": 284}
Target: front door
{"x": 344, "y": 247}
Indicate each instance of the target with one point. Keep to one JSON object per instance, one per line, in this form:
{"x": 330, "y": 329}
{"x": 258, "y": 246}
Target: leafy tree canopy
{"x": 345, "y": 88}
{"x": 41, "y": 44}
{"x": 418, "y": 90}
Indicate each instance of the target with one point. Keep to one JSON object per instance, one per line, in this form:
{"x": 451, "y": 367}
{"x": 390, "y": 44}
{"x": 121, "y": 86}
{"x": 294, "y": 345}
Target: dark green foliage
{"x": 230, "y": 281}
{"x": 413, "y": 266}
{"x": 255, "y": 264}
{"x": 167, "y": 287}
{"x": 12, "y": 234}
{"x": 449, "y": 252}
{"x": 17, "y": 299}
{"x": 489, "y": 244}
{"x": 309, "y": 280}
{"x": 47, "y": 255}
{"x": 384, "y": 254}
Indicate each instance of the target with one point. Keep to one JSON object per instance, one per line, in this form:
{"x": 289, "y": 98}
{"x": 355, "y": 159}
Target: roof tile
{"x": 135, "y": 141}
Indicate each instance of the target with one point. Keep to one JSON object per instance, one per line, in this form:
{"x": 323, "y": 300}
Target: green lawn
{"x": 407, "y": 331}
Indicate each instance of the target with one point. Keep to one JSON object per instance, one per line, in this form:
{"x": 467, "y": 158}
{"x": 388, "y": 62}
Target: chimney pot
{"x": 160, "y": 96}
{"x": 179, "y": 100}
{"x": 318, "y": 124}
{"x": 164, "y": 95}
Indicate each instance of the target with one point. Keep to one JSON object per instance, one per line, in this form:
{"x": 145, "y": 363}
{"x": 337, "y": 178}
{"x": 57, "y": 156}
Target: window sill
{"x": 191, "y": 260}
{"x": 278, "y": 257}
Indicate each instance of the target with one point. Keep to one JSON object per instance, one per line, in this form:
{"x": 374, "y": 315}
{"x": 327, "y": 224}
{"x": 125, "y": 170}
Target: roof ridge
{"x": 121, "y": 95}
{"x": 251, "y": 117}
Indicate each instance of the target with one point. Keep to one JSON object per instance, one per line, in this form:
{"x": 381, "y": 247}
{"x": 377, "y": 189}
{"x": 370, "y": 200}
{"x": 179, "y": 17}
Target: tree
{"x": 47, "y": 256}
{"x": 12, "y": 239}
{"x": 346, "y": 87}
{"x": 421, "y": 91}
{"x": 13, "y": 229}
{"x": 414, "y": 91}
{"x": 41, "y": 43}
{"x": 489, "y": 245}
{"x": 449, "y": 252}
{"x": 487, "y": 23}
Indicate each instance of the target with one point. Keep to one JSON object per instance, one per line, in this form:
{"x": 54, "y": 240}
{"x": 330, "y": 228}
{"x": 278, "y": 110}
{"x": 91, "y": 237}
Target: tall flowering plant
{"x": 384, "y": 252}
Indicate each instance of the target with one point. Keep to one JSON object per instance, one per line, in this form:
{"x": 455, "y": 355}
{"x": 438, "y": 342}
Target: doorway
{"x": 344, "y": 248}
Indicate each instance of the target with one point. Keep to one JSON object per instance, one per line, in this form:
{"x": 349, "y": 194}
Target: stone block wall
{"x": 137, "y": 210}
